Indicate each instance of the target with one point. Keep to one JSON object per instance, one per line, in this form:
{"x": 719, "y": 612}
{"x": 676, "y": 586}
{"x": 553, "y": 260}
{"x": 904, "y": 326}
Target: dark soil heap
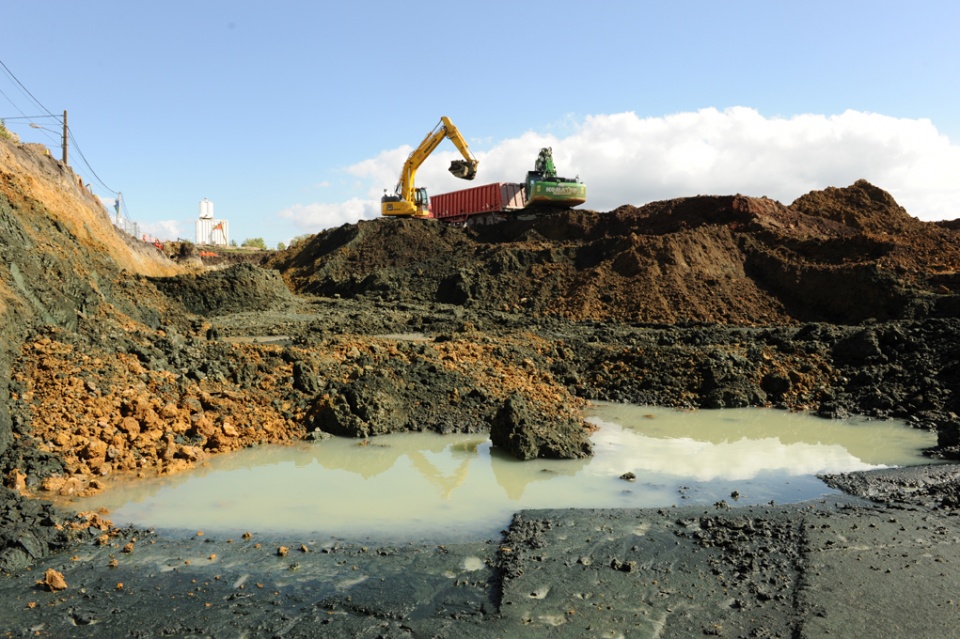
{"x": 840, "y": 255}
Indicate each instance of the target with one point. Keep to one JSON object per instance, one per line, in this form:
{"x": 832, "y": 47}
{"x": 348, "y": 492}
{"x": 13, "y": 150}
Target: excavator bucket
{"x": 463, "y": 169}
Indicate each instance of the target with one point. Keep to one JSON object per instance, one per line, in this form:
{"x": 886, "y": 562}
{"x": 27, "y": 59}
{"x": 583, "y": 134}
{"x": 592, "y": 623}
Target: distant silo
{"x": 206, "y": 209}
{"x": 209, "y": 230}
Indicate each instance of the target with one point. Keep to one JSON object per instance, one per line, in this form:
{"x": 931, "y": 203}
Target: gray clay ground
{"x": 838, "y": 567}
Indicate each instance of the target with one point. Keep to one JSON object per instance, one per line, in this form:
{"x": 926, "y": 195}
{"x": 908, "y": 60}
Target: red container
{"x": 457, "y": 206}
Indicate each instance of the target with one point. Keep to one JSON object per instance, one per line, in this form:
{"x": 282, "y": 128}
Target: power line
{"x": 87, "y": 164}
{"x": 68, "y": 132}
{"x": 11, "y": 102}
{"x": 127, "y": 224}
{"x": 24, "y": 89}
{"x": 25, "y": 117}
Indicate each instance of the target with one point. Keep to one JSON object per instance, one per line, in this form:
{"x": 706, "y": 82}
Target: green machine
{"x": 543, "y": 186}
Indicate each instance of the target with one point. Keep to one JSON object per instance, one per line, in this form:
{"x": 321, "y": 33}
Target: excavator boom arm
{"x": 406, "y": 191}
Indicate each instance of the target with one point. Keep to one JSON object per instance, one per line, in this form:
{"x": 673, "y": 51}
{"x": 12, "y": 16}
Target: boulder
{"x": 526, "y": 433}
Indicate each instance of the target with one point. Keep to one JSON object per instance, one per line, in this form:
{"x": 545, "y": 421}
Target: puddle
{"x": 276, "y": 340}
{"x": 286, "y": 340}
{"x": 423, "y": 486}
{"x": 405, "y": 337}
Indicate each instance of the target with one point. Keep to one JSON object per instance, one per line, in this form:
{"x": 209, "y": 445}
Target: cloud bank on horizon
{"x": 627, "y": 159}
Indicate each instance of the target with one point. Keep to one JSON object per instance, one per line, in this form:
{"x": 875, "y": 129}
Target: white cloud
{"x": 627, "y": 159}
{"x": 382, "y": 171}
{"x": 108, "y": 203}
{"x": 318, "y": 216}
{"x": 167, "y": 230}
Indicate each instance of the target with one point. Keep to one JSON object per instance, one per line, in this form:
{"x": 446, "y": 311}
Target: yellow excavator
{"x": 410, "y": 201}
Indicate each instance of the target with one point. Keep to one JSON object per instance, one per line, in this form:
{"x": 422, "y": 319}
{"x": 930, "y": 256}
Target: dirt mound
{"x": 726, "y": 259}
{"x": 234, "y": 289}
{"x": 64, "y": 267}
{"x": 861, "y": 206}
{"x": 63, "y": 212}
{"x": 525, "y": 433}
{"x": 189, "y": 254}
{"x": 61, "y": 256}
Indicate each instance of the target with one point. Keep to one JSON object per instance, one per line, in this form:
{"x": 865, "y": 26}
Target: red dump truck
{"x": 478, "y": 204}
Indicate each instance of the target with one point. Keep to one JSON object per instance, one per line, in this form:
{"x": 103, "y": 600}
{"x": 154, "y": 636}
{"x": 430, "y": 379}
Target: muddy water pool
{"x": 427, "y": 487}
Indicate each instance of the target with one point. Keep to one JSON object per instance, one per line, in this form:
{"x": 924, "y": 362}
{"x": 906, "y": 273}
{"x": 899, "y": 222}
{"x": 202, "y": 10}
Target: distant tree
{"x": 255, "y": 242}
{"x": 281, "y": 246}
{"x": 233, "y": 243}
{"x": 300, "y": 238}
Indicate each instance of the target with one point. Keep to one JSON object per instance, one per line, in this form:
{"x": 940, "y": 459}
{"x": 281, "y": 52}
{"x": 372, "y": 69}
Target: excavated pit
{"x": 121, "y": 360}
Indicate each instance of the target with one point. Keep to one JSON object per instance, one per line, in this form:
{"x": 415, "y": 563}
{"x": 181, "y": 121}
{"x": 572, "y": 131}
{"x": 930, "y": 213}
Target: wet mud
{"x": 838, "y": 567}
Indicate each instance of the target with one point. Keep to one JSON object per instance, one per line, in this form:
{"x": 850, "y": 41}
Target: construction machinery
{"x": 491, "y": 203}
{"x": 543, "y": 186}
{"x": 411, "y": 201}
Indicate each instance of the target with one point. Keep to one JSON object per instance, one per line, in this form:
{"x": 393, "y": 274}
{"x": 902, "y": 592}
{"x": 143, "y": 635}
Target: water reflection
{"x": 742, "y": 443}
{"x": 421, "y": 485}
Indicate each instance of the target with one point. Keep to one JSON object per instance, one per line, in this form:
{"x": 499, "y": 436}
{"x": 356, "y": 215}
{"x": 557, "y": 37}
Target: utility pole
{"x": 65, "y": 137}
{"x": 118, "y": 206}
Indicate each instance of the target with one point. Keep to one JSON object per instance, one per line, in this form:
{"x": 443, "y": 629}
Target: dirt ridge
{"x": 727, "y": 259}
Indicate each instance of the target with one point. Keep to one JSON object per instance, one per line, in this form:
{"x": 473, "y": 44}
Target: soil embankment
{"x": 733, "y": 260}
{"x": 122, "y": 361}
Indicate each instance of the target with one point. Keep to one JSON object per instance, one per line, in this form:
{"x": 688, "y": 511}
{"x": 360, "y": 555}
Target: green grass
{"x": 6, "y": 134}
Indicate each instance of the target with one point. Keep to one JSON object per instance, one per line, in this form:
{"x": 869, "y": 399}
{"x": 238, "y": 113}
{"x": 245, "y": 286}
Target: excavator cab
{"x": 396, "y": 205}
{"x": 544, "y": 164}
{"x": 421, "y": 200}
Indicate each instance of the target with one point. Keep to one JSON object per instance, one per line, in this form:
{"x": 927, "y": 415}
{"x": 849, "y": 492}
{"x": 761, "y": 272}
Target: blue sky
{"x": 294, "y": 116}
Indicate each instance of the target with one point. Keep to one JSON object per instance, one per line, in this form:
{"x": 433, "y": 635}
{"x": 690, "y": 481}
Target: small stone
{"x": 16, "y": 480}
{"x": 623, "y": 566}
{"x": 53, "y": 581}
{"x": 282, "y": 551}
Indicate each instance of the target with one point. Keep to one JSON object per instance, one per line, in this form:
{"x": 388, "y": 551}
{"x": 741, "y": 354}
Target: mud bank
{"x": 837, "y": 567}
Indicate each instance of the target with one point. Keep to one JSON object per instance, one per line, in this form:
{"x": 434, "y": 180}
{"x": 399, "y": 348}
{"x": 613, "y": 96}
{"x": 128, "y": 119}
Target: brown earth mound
{"x": 839, "y": 255}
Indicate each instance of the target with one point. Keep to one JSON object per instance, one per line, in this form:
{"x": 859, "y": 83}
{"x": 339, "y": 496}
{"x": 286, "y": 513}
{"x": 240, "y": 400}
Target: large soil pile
{"x": 840, "y": 255}
{"x": 62, "y": 259}
{"x": 63, "y": 266}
